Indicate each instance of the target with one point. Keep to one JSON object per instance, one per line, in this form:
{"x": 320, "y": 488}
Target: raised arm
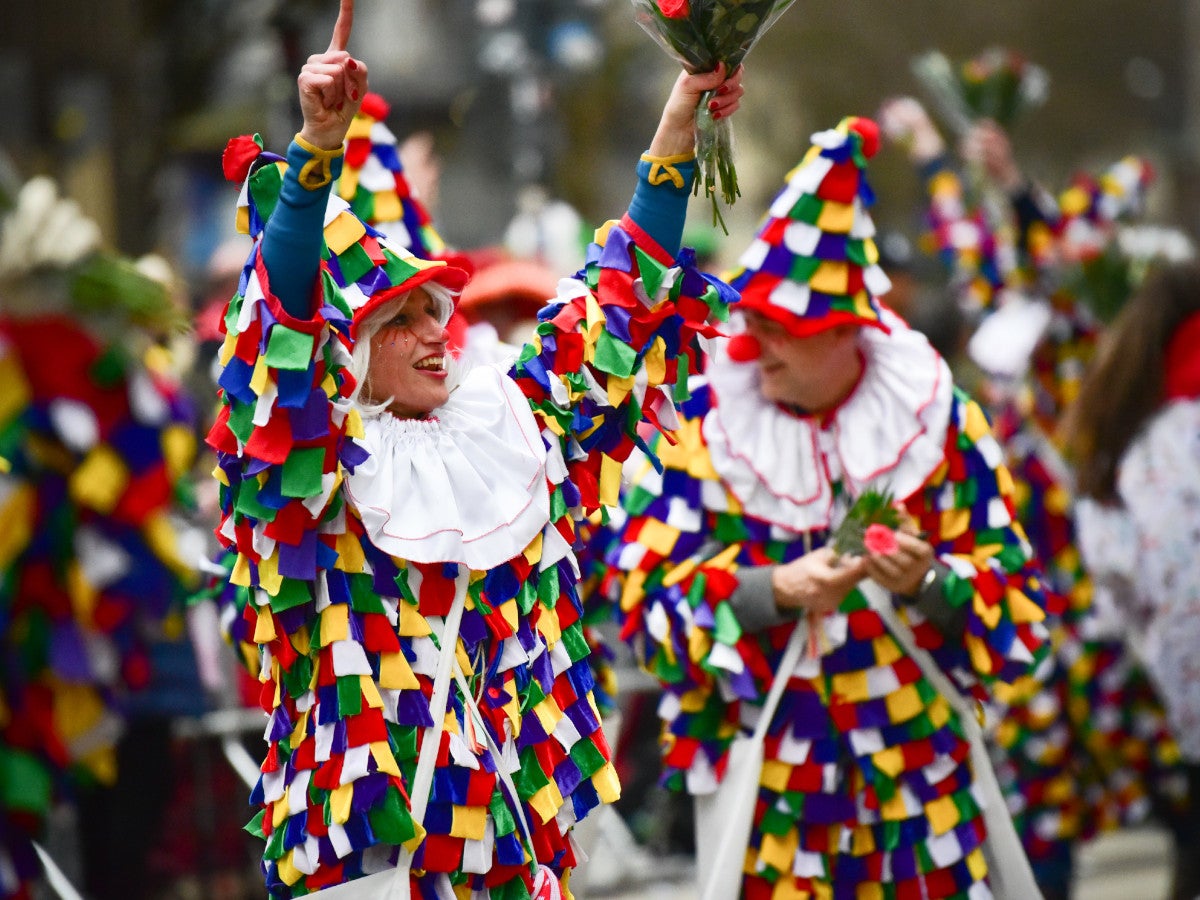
{"x": 331, "y": 87}
{"x": 667, "y": 168}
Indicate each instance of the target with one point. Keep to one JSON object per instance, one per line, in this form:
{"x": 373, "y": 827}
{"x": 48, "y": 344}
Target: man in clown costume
{"x": 867, "y": 789}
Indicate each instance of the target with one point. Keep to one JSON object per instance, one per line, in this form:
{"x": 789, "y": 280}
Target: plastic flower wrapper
{"x": 998, "y": 84}
{"x": 874, "y": 509}
{"x": 701, "y": 34}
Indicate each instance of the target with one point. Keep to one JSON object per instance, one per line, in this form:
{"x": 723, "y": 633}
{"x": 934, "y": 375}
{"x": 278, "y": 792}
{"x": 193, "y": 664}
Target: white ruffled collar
{"x": 467, "y": 485}
{"x": 888, "y": 433}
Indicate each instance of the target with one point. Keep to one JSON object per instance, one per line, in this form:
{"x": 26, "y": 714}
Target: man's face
{"x": 802, "y": 371}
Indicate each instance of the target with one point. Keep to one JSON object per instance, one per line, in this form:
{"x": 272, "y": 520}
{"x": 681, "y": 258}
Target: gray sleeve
{"x": 930, "y": 601}
{"x": 753, "y": 600}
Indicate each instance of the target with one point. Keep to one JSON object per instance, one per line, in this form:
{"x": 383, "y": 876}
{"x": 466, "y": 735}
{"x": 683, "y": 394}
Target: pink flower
{"x": 880, "y": 540}
{"x": 674, "y": 9}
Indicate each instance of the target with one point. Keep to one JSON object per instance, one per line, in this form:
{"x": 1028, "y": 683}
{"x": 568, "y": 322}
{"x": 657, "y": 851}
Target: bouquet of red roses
{"x": 701, "y": 34}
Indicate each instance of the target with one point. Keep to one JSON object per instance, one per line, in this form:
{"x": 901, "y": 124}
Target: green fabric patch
{"x": 289, "y": 349}
{"x": 302, "y": 472}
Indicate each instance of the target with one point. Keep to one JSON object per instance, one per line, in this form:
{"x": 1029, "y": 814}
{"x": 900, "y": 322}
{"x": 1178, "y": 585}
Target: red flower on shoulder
{"x": 674, "y": 9}
{"x": 240, "y": 154}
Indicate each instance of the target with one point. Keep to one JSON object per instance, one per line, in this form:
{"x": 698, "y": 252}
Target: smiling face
{"x": 814, "y": 373}
{"x": 408, "y": 359}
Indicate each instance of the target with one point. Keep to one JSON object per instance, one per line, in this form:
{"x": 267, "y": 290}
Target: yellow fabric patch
{"x": 179, "y": 450}
{"x": 241, "y": 571}
{"x": 954, "y": 523}
{"x": 889, "y": 761}
{"x": 260, "y": 377}
{"x": 976, "y": 864}
{"x": 1022, "y": 609}
{"x": 395, "y": 673}
{"x": 160, "y": 537}
{"x": 268, "y": 575}
{"x": 388, "y": 207}
{"x": 976, "y": 426}
{"x": 14, "y": 388}
{"x": 533, "y": 553}
{"x": 989, "y": 615}
{"x": 658, "y": 537}
{"x": 836, "y": 217}
{"x": 775, "y": 775}
{"x": 851, "y": 686}
{"x": 780, "y": 850}
{"x": 654, "y": 363}
{"x": 981, "y": 659}
{"x": 288, "y": 873}
{"x": 886, "y": 650}
{"x": 343, "y": 231}
{"x": 264, "y": 627}
{"x": 610, "y": 481}
{"x": 412, "y": 623}
{"x": 370, "y": 692}
{"x": 606, "y": 783}
{"x": 384, "y": 758}
{"x": 862, "y": 841}
{"x": 903, "y": 704}
{"x": 100, "y": 480}
{"x": 279, "y": 810}
{"x": 17, "y": 516}
{"x": 548, "y": 626}
{"x": 350, "y": 554}
{"x": 831, "y": 277}
{"x": 468, "y": 822}
{"x": 942, "y": 814}
{"x": 631, "y": 590}
{"x": 339, "y": 803}
{"x": 335, "y": 624}
{"x": 619, "y": 388}
{"x": 547, "y": 801}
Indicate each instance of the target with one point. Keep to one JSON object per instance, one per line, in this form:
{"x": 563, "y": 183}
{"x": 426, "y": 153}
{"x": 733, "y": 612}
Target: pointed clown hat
{"x": 814, "y": 263}
{"x": 374, "y": 184}
{"x": 369, "y": 267}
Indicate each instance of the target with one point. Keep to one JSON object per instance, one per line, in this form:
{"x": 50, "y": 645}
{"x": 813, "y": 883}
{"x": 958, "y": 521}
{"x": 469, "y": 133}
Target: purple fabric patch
{"x": 299, "y": 561}
{"x": 615, "y": 254}
{"x": 68, "y": 655}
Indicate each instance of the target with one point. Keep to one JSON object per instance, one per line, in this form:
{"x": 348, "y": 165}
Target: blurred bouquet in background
{"x": 700, "y": 34}
{"x": 998, "y": 84}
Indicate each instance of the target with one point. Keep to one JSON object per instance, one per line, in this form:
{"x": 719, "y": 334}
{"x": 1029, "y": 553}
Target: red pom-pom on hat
{"x": 375, "y": 106}
{"x": 240, "y": 154}
{"x": 868, "y": 130}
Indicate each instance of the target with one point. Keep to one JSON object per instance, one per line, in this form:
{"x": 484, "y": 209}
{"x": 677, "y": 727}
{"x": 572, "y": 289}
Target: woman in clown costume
{"x": 866, "y": 789}
{"x": 374, "y": 497}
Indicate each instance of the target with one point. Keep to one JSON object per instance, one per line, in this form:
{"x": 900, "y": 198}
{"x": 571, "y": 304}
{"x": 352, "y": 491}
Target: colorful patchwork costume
{"x": 97, "y": 441}
{"x": 1086, "y": 748}
{"x": 866, "y": 790}
{"x": 352, "y": 531}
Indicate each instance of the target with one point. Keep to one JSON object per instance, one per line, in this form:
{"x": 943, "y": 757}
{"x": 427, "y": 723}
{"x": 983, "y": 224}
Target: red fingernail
{"x": 339, "y": 106}
{"x": 723, "y": 89}
{"x": 713, "y": 104}
{"x": 354, "y": 94}
{"x": 352, "y": 64}
{"x": 716, "y": 116}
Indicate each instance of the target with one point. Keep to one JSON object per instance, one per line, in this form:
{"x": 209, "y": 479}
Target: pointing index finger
{"x": 341, "y": 30}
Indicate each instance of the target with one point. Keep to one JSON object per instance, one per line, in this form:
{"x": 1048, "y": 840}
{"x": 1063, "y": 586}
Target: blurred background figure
{"x": 1135, "y": 431}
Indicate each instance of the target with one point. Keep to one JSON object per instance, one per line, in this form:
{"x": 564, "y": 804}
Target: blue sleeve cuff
{"x": 660, "y": 209}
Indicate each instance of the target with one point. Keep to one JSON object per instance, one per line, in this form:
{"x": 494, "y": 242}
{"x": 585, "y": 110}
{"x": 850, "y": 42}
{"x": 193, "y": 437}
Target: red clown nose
{"x": 744, "y": 348}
